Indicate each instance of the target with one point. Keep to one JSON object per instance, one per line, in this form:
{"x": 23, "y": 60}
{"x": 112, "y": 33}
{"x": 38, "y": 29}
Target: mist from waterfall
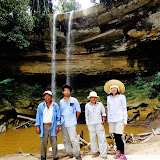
{"x": 53, "y": 80}
{"x": 69, "y": 47}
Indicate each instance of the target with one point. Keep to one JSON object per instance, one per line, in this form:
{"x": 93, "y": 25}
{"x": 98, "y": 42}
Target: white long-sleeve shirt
{"x": 117, "y": 109}
{"x": 94, "y": 113}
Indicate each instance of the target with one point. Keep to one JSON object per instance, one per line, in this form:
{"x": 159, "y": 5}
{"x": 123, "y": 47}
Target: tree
{"x": 15, "y": 23}
{"x": 40, "y": 11}
{"x": 67, "y": 5}
{"x": 39, "y": 6}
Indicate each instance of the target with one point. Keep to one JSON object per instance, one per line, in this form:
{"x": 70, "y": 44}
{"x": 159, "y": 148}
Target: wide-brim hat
{"x": 114, "y": 82}
{"x": 92, "y": 94}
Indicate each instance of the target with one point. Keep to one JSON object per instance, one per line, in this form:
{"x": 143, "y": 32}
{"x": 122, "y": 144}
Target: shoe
{"x": 118, "y": 154}
{"x": 78, "y": 158}
{"x": 123, "y": 157}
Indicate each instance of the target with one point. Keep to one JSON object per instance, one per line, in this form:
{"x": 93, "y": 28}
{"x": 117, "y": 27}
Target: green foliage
{"x": 41, "y": 24}
{"x": 155, "y": 90}
{"x": 15, "y": 23}
{"x": 140, "y": 83}
{"x": 40, "y": 11}
{"x": 67, "y": 5}
{"x": 9, "y": 89}
{"x": 5, "y": 88}
{"x": 133, "y": 92}
{"x": 39, "y": 7}
{"x": 144, "y": 88}
{"x": 28, "y": 90}
{"x": 156, "y": 82}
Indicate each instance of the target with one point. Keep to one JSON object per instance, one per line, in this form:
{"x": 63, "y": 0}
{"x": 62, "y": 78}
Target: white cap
{"x": 92, "y": 94}
{"x": 48, "y": 92}
{"x": 114, "y": 86}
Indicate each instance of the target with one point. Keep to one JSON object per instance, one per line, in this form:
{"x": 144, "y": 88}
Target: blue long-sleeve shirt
{"x": 68, "y": 111}
{"x": 55, "y": 119}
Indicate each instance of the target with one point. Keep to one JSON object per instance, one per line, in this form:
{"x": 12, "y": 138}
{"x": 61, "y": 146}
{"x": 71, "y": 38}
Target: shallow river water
{"x": 28, "y": 141}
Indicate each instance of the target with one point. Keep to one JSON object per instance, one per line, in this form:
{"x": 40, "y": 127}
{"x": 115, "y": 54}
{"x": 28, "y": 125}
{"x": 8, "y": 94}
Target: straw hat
{"x": 92, "y": 94}
{"x": 114, "y": 82}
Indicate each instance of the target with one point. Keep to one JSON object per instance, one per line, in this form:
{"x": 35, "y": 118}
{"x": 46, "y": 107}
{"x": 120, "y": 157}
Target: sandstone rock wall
{"x": 122, "y": 39}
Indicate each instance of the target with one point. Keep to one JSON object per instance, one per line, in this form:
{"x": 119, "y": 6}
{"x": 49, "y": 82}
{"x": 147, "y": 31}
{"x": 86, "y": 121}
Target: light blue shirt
{"x": 117, "y": 109}
{"x": 55, "y": 119}
{"x": 68, "y": 111}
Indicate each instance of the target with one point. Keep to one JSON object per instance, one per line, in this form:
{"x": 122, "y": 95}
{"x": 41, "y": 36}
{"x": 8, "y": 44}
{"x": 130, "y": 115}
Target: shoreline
{"x": 141, "y": 151}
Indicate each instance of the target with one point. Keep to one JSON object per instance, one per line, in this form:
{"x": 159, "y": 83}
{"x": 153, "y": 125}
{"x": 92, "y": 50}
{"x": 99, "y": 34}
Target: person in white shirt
{"x": 95, "y": 118}
{"x": 47, "y": 124}
{"x": 117, "y": 113}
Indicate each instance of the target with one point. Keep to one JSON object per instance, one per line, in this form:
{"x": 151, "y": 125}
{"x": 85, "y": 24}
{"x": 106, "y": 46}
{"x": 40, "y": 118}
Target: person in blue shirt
{"x": 70, "y": 111}
{"x": 47, "y": 124}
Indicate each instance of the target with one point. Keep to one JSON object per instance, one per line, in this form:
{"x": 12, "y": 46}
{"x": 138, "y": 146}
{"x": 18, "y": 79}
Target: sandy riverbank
{"x": 146, "y": 151}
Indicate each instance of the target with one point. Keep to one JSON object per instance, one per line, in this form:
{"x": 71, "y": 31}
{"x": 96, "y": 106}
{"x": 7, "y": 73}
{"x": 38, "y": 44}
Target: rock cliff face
{"x": 121, "y": 39}
{"x": 89, "y": 64}
{"x": 139, "y": 19}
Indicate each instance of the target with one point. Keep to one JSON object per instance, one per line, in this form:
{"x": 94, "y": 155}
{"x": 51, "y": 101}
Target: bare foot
{"x": 105, "y": 157}
{"x": 95, "y": 155}
{"x": 68, "y": 157}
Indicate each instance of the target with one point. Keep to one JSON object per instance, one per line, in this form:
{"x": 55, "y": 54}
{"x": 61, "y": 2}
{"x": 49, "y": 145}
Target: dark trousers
{"x": 119, "y": 142}
{"x": 44, "y": 142}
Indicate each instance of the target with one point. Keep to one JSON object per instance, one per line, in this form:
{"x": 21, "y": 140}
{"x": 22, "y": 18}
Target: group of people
{"x": 50, "y": 116}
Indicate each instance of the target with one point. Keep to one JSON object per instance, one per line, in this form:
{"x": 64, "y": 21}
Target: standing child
{"x": 95, "y": 119}
{"x": 117, "y": 113}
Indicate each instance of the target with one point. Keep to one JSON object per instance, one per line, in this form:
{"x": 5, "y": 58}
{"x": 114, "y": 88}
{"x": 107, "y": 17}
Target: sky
{"x": 85, "y": 3}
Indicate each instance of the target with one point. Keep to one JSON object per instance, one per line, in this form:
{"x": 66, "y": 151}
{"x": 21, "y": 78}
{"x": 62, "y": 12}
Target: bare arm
{"x": 38, "y": 129}
{"x": 103, "y": 120}
{"x": 57, "y": 129}
{"x": 77, "y": 114}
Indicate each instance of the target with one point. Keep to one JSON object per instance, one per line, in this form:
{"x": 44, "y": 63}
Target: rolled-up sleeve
{"x": 37, "y": 117}
{"x": 124, "y": 108}
{"x": 58, "y": 115}
{"x": 86, "y": 114}
{"x": 108, "y": 108}
{"x": 103, "y": 110}
{"x": 78, "y": 108}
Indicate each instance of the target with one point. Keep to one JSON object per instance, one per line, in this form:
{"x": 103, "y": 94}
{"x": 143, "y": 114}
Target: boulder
{"x": 25, "y": 111}
{"x": 3, "y": 128}
{"x": 22, "y": 103}
{"x": 5, "y": 105}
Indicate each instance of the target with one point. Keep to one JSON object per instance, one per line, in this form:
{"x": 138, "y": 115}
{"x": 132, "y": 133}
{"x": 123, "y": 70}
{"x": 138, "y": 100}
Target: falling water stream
{"x": 69, "y": 47}
{"x": 68, "y": 50}
{"x": 53, "y": 80}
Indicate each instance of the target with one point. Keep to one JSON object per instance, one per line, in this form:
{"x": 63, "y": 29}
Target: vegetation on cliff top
{"x": 23, "y": 22}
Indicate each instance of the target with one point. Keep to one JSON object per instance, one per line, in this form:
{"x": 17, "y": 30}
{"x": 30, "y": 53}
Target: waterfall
{"x": 69, "y": 47}
{"x": 53, "y": 80}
